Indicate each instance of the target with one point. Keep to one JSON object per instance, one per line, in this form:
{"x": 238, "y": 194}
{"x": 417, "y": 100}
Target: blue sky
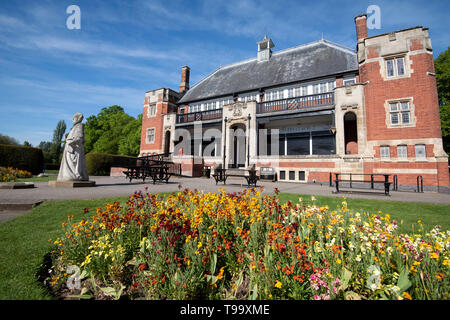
{"x": 125, "y": 48}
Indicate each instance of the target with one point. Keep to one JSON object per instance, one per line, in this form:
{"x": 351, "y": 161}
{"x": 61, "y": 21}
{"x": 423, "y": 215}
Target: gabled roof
{"x": 313, "y": 60}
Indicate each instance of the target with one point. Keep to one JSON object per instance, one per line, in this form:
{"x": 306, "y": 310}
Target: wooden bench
{"x": 372, "y": 181}
{"x": 221, "y": 175}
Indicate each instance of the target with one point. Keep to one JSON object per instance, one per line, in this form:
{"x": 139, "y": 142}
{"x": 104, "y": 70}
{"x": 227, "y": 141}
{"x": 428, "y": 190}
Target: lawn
{"x": 25, "y": 239}
{"x": 36, "y": 179}
{"x": 406, "y": 213}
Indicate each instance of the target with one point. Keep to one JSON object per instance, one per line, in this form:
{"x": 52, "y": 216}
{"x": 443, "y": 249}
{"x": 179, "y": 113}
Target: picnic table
{"x": 221, "y": 175}
{"x": 157, "y": 172}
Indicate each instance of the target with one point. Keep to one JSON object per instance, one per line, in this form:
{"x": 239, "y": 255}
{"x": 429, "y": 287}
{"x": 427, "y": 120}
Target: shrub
{"x": 99, "y": 164}
{"x": 20, "y": 157}
{"x": 11, "y": 174}
{"x": 195, "y": 245}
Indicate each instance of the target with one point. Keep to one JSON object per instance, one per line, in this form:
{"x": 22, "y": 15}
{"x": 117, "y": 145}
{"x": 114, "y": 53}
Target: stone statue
{"x": 73, "y": 163}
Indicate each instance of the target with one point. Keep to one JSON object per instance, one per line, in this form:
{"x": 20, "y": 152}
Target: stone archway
{"x": 350, "y": 133}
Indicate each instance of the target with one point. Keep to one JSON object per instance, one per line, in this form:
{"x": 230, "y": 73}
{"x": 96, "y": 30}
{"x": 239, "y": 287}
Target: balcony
{"x": 297, "y": 103}
{"x": 199, "y": 116}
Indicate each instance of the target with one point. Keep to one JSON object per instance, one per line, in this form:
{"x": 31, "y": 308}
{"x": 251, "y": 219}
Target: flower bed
{"x": 193, "y": 245}
{"x": 8, "y": 174}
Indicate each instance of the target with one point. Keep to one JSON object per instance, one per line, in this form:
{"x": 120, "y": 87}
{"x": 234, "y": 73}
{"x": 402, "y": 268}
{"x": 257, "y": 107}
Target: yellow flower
{"x": 278, "y": 284}
{"x": 199, "y": 245}
{"x": 338, "y": 261}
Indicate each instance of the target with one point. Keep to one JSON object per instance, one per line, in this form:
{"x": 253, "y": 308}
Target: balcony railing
{"x": 314, "y": 100}
{"x": 199, "y": 116}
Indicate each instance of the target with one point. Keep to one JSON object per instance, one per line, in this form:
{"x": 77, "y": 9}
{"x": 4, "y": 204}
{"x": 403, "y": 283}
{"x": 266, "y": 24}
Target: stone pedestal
{"x": 71, "y": 184}
{"x": 16, "y": 185}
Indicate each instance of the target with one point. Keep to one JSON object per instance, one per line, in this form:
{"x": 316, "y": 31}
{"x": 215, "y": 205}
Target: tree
{"x": 130, "y": 144}
{"x": 110, "y": 132}
{"x": 46, "y": 148}
{"x": 57, "y": 141}
{"x": 27, "y": 144}
{"x": 442, "y": 67}
{"x": 4, "y": 139}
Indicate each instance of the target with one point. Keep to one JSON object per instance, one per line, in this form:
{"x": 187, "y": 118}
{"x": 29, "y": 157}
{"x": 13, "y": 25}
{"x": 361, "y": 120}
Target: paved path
{"x": 119, "y": 186}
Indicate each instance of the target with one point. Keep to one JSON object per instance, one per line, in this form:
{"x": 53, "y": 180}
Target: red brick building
{"x": 309, "y": 111}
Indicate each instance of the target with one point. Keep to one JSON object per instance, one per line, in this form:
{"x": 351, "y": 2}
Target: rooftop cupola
{"x": 265, "y": 49}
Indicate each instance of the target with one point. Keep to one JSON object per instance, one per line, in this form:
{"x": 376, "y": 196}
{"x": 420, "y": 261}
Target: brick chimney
{"x": 184, "y": 85}
{"x": 361, "y": 26}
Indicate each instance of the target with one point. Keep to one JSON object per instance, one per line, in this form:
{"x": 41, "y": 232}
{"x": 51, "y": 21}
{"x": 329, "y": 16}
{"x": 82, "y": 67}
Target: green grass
{"x": 406, "y": 213}
{"x": 36, "y": 179}
{"x": 25, "y": 239}
{"x": 52, "y": 171}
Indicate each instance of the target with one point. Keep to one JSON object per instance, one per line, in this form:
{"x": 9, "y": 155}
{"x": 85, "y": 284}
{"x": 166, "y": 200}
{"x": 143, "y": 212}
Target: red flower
{"x": 86, "y": 210}
{"x": 277, "y": 191}
{"x": 142, "y": 267}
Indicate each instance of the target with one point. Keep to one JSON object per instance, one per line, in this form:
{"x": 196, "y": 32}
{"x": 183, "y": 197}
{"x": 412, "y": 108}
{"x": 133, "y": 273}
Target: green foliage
{"x": 57, "y": 141}
{"x": 130, "y": 144}
{"x": 4, "y": 139}
{"x": 46, "y": 148}
{"x": 52, "y": 150}
{"x": 113, "y": 131}
{"x": 99, "y": 164}
{"x": 442, "y": 67}
{"x": 25, "y": 158}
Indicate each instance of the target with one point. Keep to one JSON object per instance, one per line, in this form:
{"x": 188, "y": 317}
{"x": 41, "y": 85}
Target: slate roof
{"x": 317, "y": 59}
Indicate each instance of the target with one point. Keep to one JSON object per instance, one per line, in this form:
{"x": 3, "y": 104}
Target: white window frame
{"x": 395, "y": 67}
{"x": 402, "y": 151}
{"x": 151, "y": 111}
{"x": 304, "y": 90}
{"x": 349, "y": 81}
{"x": 418, "y": 151}
{"x": 148, "y": 135}
{"x": 385, "y": 152}
{"x": 316, "y": 88}
{"x": 400, "y": 111}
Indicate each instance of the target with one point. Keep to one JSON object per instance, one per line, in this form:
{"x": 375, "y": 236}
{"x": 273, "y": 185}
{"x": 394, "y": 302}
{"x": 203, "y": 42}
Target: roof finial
{"x": 322, "y": 36}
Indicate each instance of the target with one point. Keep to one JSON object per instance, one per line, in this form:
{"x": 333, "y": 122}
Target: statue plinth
{"x": 73, "y": 171}
{"x": 71, "y": 184}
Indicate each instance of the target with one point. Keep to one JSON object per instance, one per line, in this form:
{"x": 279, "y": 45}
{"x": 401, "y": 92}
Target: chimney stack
{"x": 184, "y": 85}
{"x": 361, "y": 26}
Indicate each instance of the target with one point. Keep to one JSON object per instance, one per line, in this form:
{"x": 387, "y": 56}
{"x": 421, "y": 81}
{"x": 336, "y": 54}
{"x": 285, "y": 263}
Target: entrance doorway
{"x": 238, "y": 146}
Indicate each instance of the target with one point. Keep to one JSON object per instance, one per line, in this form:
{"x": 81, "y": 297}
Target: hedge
{"x": 20, "y": 157}
{"x": 99, "y": 164}
{"x": 51, "y": 166}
